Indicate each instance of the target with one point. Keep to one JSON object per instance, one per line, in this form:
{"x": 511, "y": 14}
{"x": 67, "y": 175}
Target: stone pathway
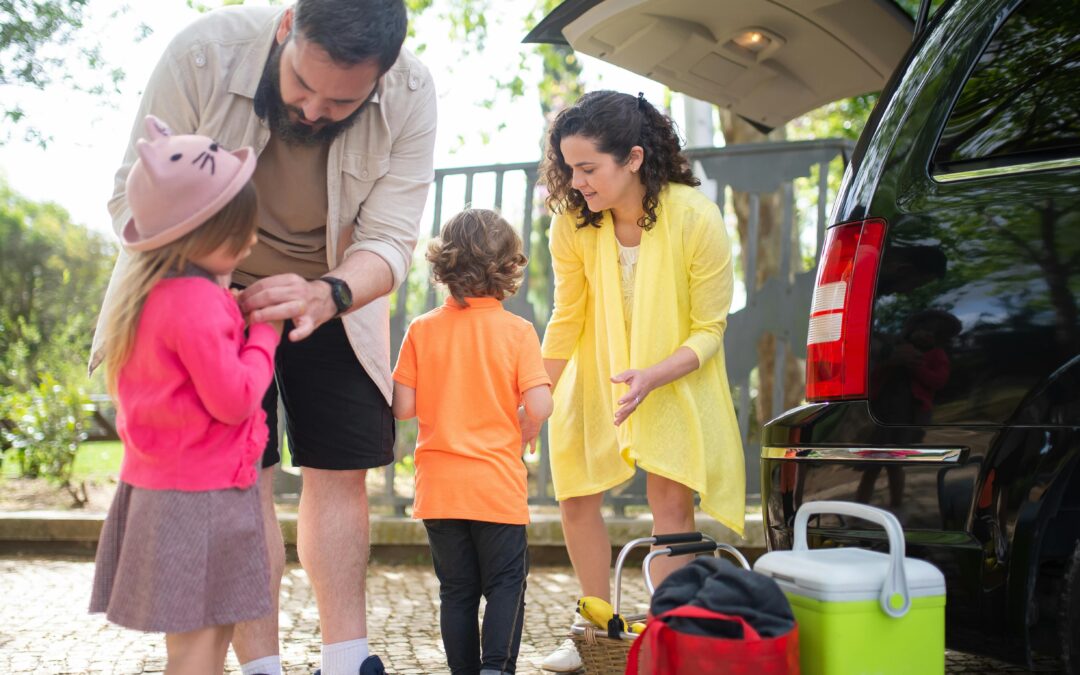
{"x": 44, "y": 627}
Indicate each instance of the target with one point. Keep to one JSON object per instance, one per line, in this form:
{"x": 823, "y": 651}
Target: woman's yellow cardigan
{"x": 686, "y": 430}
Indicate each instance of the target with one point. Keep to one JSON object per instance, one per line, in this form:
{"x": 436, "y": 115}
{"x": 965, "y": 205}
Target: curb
{"x": 393, "y": 539}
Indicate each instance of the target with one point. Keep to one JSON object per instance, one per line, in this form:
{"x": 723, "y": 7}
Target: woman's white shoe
{"x": 565, "y": 659}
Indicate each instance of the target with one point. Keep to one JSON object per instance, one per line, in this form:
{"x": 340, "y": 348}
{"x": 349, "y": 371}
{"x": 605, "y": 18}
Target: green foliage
{"x": 840, "y": 119}
{"x": 28, "y": 28}
{"x": 44, "y": 427}
{"x": 39, "y": 40}
{"x": 203, "y": 8}
{"x": 51, "y": 284}
{"x": 468, "y": 23}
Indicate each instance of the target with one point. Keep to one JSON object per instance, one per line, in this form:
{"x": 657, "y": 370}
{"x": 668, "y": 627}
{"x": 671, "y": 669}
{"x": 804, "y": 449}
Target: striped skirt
{"x": 173, "y": 561}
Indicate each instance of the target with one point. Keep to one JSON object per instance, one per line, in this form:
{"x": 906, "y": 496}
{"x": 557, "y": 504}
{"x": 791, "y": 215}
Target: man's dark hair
{"x": 354, "y": 31}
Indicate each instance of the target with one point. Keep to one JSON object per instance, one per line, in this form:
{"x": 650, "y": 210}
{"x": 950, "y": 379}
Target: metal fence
{"x": 801, "y": 172}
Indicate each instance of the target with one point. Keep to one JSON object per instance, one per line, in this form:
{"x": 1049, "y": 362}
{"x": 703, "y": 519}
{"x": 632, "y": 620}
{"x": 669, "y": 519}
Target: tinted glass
{"x": 977, "y": 306}
{"x": 1020, "y": 103}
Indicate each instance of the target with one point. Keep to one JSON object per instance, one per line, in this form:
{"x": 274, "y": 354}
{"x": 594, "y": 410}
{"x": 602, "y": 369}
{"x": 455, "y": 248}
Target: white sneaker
{"x": 565, "y": 659}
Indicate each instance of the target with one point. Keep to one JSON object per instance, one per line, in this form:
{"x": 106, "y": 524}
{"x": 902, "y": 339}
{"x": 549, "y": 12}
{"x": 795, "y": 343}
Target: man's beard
{"x": 270, "y": 105}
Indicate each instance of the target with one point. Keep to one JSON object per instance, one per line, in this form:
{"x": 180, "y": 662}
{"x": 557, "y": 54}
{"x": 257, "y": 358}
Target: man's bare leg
{"x": 258, "y": 639}
{"x": 332, "y": 541}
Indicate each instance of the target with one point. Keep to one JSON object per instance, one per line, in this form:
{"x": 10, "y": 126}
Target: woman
{"x": 643, "y": 282}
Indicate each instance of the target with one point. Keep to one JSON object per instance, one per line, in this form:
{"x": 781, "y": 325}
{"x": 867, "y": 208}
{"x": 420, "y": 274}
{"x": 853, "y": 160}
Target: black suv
{"x": 943, "y": 355}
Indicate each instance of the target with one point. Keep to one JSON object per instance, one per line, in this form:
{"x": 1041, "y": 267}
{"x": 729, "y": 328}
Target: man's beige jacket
{"x": 378, "y": 171}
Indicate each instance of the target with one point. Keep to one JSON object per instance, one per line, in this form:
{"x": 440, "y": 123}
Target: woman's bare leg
{"x": 588, "y": 544}
{"x": 672, "y": 506}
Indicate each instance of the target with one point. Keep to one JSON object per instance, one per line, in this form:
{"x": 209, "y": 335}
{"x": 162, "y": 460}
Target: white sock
{"x": 344, "y": 658}
{"x": 267, "y": 665}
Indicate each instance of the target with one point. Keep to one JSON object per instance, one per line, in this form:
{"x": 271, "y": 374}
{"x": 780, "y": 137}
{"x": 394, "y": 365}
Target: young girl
{"x": 182, "y": 550}
{"x": 464, "y": 370}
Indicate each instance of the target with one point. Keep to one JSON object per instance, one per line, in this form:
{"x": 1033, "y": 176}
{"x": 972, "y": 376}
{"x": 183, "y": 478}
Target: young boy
{"x": 472, "y": 373}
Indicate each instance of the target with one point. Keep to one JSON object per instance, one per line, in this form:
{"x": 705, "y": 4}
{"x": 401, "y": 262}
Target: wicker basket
{"x": 601, "y": 654}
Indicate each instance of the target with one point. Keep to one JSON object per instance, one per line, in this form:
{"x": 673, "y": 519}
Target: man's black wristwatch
{"x": 340, "y": 292}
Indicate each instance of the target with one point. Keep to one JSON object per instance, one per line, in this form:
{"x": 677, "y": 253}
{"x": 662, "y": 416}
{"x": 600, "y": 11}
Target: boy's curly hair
{"x": 478, "y": 254}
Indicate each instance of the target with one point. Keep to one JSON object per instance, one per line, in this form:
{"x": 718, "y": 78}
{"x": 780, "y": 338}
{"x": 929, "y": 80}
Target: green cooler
{"x": 861, "y": 612}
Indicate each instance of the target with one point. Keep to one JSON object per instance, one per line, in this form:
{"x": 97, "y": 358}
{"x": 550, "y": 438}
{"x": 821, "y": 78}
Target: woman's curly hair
{"x": 479, "y": 255}
{"x": 615, "y": 122}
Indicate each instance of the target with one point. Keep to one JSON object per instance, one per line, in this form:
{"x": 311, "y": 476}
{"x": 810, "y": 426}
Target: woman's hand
{"x": 640, "y": 383}
{"x": 681, "y": 362}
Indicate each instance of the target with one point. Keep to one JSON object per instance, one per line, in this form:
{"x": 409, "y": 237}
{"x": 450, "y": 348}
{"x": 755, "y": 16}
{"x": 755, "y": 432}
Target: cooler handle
{"x": 895, "y": 585}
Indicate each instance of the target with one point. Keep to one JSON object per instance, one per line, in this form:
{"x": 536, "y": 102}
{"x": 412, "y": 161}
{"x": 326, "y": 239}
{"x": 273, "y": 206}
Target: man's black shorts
{"x": 335, "y": 415}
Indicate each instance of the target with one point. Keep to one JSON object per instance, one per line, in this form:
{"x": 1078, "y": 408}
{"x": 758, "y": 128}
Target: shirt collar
{"x": 245, "y": 77}
{"x": 474, "y": 303}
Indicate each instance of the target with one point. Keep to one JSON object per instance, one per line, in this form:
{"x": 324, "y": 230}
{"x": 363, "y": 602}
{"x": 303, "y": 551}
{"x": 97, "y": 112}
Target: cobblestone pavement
{"x": 44, "y": 627}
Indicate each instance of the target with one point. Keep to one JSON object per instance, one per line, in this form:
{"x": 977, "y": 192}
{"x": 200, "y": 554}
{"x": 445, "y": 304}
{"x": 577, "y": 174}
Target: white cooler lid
{"x": 845, "y": 574}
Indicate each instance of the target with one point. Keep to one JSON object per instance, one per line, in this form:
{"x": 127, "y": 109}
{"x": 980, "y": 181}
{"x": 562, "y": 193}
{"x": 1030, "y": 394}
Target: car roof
{"x": 816, "y": 51}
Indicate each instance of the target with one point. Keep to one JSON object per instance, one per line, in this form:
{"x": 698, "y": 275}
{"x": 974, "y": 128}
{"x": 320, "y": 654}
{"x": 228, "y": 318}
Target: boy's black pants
{"x": 473, "y": 559}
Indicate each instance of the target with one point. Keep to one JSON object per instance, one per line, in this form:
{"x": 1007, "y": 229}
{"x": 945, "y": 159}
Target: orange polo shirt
{"x": 469, "y": 367}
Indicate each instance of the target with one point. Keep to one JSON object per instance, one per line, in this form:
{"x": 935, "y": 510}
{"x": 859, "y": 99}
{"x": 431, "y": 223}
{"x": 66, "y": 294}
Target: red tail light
{"x": 838, "y": 341}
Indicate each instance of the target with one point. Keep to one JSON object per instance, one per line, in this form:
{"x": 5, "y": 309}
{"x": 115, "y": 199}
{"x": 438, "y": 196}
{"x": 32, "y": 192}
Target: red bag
{"x": 662, "y": 650}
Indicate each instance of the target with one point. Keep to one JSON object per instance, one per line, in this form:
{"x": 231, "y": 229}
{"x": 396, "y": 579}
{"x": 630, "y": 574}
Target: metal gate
{"x": 780, "y": 307}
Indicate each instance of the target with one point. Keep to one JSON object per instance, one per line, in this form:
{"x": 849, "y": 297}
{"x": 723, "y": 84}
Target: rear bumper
{"x": 928, "y": 477}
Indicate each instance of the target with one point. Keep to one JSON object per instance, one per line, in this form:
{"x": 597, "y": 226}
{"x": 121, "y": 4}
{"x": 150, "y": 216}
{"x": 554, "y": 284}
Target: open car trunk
{"x": 768, "y": 61}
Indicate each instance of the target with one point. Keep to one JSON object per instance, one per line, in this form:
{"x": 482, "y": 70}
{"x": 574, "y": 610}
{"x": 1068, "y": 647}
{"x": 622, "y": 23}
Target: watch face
{"x": 340, "y": 293}
{"x": 344, "y": 296}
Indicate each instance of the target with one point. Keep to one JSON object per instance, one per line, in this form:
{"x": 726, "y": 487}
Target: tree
{"x": 51, "y": 283}
{"x": 39, "y": 41}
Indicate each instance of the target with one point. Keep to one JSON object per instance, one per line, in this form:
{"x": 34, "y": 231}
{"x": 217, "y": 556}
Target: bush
{"x": 51, "y": 284}
{"x": 44, "y": 428}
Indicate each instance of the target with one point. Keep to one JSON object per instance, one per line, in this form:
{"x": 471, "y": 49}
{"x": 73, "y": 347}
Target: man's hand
{"x": 289, "y": 296}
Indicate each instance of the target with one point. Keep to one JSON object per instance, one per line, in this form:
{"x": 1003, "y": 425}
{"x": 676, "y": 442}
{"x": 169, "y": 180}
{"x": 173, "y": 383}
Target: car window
{"x": 1021, "y": 103}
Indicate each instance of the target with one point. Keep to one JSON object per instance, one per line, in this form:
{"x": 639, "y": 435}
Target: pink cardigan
{"x": 189, "y": 397}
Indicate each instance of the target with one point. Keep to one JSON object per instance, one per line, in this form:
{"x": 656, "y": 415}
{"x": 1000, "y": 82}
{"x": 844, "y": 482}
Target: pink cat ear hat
{"x": 177, "y": 183}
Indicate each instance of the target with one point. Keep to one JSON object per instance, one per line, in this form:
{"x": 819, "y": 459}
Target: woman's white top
{"x": 628, "y": 256}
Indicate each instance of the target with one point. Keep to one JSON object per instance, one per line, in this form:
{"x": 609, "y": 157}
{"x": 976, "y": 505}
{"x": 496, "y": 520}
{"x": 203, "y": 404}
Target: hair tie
{"x": 640, "y": 101}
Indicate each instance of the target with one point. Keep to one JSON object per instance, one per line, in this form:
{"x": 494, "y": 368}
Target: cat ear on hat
{"x": 155, "y": 128}
{"x": 149, "y": 159}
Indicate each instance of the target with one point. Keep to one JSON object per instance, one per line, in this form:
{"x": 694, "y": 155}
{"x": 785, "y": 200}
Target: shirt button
{"x": 364, "y": 173}
{"x": 413, "y": 83}
{"x": 200, "y": 60}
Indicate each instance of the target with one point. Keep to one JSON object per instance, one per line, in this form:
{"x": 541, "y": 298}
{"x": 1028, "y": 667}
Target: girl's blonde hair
{"x": 478, "y": 254}
{"x": 232, "y": 227}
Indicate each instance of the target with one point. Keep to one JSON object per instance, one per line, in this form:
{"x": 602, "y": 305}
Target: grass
{"x": 99, "y": 459}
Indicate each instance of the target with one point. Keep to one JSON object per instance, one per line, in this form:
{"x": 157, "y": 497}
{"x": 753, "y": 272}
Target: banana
{"x": 637, "y": 627}
{"x": 597, "y": 611}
